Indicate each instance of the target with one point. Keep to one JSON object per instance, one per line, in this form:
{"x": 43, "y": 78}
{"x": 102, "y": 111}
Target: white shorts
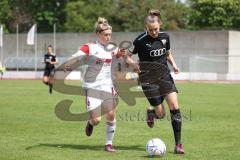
{"x": 101, "y": 97}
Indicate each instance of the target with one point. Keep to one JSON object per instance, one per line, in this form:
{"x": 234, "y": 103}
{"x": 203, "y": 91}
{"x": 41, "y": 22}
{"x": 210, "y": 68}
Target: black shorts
{"x": 156, "y": 89}
{"x": 49, "y": 72}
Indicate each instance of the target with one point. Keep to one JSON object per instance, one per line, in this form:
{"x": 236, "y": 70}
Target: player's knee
{"x": 96, "y": 121}
{"x": 110, "y": 116}
{"x": 45, "y": 82}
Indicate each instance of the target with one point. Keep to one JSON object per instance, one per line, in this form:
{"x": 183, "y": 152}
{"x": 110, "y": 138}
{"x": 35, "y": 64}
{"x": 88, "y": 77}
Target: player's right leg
{"x": 157, "y": 113}
{"x": 93, "y": 121}
{"x": 94, "y": 108}
{"x": 155, "y": 99}
{"x": 45, "y": 79}
{"x": 90, "y": 124}
{"x": 46, "y": 76}
{"x": 160, "y": 111}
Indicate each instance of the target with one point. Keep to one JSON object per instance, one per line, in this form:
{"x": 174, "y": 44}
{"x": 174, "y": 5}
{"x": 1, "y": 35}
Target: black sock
{"x": 176, "y": 120}
{"x": 50, "y": 87}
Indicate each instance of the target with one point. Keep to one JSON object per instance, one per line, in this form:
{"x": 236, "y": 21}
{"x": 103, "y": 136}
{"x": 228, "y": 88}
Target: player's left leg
{"x": 46, "y": 78}
{"x": 109, "y": 105}
{"x": 50, "y": 81}
{"x": 110, "y": 130}
{"x": 176, "y": 120}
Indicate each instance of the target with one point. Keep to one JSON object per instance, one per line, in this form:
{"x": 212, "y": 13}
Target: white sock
{"x": 110, "y": 131}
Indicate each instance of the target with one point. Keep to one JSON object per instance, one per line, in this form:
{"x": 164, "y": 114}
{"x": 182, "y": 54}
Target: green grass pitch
{"x": 30, "y": 130}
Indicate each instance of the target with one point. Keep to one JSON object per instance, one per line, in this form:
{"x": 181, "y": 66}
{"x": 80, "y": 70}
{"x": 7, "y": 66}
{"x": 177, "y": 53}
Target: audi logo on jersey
{"x": 158, "y": 52}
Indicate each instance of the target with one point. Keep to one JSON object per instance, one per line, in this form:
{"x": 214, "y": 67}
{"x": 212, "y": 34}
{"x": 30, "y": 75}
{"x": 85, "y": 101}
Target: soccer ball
{"x": 156, "y": 147}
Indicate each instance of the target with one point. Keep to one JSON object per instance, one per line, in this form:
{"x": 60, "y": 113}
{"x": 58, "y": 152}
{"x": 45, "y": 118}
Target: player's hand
{"x": 136, "y": 68}
{"x": 55, "y": 62}
{"x": 176, "y": 69}
{"x": 67, "y": 68}
{"x": 121, "y": 52}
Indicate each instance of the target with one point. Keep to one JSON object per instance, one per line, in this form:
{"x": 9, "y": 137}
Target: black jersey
{"x": 49, "y": 58}
{"x": 152, "y": 54}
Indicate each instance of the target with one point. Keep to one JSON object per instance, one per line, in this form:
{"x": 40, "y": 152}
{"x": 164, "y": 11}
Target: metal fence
{"x": 195, "y": 67}
{"x": 204, "y": 55}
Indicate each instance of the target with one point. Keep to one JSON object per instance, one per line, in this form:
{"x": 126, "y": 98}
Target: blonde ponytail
{"x": 102, "y": 25}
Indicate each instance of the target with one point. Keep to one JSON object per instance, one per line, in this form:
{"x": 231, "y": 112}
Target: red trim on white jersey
{"x": 85, "y": 49}
{"x": 108, "y": 60}
{"x": 99, "y": 60}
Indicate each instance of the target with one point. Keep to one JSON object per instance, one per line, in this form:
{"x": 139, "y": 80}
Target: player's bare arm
{"x": 71, "y": 61}
{"x": 128, "y": 59}
{"x": 172, "y": 62}
{"x": 76, "y": 58}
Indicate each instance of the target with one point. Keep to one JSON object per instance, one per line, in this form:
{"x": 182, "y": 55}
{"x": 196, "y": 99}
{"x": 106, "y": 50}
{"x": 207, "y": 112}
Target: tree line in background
{"x": 124, "y": 15}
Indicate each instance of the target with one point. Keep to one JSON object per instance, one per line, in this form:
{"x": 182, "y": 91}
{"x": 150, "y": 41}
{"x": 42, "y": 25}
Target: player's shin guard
{"x": 110, "y": 131}
{"x": 176, "y": 120}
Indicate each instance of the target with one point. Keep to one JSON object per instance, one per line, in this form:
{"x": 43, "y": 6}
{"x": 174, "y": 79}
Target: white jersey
{"x": 99, "y": 65}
